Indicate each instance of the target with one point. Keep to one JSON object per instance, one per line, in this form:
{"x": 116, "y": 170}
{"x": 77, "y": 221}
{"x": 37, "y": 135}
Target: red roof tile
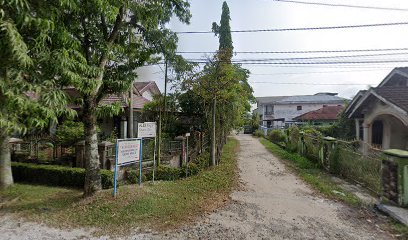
{"x": 324, "y": 113}
{"x": 139, "y": 102}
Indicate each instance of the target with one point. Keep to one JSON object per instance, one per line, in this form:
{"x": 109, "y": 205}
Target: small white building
{"x": 280, "y": 111}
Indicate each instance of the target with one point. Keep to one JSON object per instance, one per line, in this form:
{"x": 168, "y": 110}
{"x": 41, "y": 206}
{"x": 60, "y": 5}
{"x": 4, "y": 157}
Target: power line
{"x": 343, "y": 5}
{"x": 295, "y": 73}
{"x": 301, "y": 52}
{"x": 311, "y": 63}
{"x": 314, "y": 57}
{"x": 323, "y": 84}
{"x": 302, "y": 28}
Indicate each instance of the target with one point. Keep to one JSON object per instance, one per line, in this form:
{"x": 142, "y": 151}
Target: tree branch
{"x": 85, "y": 42}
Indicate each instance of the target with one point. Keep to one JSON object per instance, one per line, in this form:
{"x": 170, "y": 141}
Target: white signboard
{"x": 128, "y": 151}
{"x": 147, "y": 129}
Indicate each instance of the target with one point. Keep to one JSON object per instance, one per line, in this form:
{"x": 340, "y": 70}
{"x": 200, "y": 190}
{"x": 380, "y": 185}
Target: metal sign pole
{"x": 154, "y": 157}
{"x": 140, "y": 162}
{"x": 187, "y": 155}
{"x": 115, "y": 170}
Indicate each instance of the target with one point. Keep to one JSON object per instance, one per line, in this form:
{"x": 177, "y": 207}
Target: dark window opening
{"x": 299, "y": 108}
{"x": 377, "y": 133}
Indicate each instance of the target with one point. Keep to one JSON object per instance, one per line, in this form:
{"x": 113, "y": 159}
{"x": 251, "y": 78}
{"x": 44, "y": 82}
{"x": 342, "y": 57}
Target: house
{"x": 280, "y": 111}
{"x": 142, "y": 93}
{"x": 324, "y": 115}
{"x": 381, "y": 113}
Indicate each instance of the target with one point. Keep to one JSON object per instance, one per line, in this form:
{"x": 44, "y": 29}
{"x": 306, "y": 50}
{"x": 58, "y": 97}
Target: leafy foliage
{"x": 70, "y": 132}
{"x": 56, "y": 175}
{"x": 276, "y": 136}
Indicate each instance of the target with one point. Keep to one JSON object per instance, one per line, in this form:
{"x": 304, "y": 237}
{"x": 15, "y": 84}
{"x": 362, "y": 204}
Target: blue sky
{"x": 266, "y": 14}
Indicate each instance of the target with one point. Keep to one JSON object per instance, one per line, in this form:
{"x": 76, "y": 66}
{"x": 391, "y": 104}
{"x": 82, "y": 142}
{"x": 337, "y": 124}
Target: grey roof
{"x": 319, "y": 98}
{"x": 311, "y": 99}
{"x": 402, "y": 69}
{"x": 269, "y": 99}
{"x": 398, "y": 95}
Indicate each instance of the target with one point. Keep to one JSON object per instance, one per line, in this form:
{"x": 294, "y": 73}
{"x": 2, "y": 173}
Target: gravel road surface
{"x": 273, "y": 203}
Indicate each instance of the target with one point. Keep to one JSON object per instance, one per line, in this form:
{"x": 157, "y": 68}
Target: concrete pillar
{"x": 395, "y": 176}
{"x": 366, "y": 138}
{"x": 386, "y": 134}
{"x": 357, "y": 128}
{"x": 103, "y": 154}
{"x": 79, "y": 154}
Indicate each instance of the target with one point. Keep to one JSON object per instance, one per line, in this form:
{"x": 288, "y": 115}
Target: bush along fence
{"x": 384, "y": 173}
{"x": 179, "y": 160}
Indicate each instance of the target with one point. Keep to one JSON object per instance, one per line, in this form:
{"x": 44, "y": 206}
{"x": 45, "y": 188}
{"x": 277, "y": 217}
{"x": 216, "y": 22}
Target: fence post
{"x": 79, "y": 154}
{"x": 395, "y": 176}
{"x": 103, "y": 153}
{"x": 301, "y": 144}
{"x": 328, "y": 146}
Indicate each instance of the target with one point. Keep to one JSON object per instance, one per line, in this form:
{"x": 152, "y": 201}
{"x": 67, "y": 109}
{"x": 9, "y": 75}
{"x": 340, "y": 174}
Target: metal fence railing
{"x": 343, "y": 158}
{"x": 364, "y": 169}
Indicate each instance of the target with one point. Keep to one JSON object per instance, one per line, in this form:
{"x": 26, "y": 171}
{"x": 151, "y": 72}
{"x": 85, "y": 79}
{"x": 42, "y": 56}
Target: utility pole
{"x": 160, "y": 116}
{"x": 130, "y": 123}
{"x": 213, "y": 160}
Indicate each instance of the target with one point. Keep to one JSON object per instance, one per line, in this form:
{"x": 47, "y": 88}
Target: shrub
{"x": 202, "y": 161}
{"x": 167, "y": 173}
{"x": 56, "y": 175}
{"x": 132, "y": 176}
{"x": 259, "y": 133}
{"x": 276, "y": 136}
{"x": 293, "y": 138}
{"x": 193, "y": 169}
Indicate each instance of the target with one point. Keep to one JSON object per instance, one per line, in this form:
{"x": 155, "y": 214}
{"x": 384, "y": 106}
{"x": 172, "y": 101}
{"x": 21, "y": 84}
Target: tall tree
{"x": 98, "y": 45}
{"x": 29, "y": 98}
{"x": 224, "y": 57}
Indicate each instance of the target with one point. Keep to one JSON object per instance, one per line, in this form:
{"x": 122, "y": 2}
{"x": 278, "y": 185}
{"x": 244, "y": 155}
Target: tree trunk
{"x": 92, "y": 176}
{"x": 213, "y": 139}
{"x": 6, "y": 177}
{"x": 131, "y": 122}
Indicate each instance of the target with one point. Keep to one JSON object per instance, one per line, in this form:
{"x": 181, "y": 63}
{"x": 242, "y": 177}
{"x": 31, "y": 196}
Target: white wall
{"x": 290, "y": 111}
{"x": 148, "y": 95}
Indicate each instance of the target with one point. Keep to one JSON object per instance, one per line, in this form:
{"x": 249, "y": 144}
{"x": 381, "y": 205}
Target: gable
{"x": 397, "y": 77}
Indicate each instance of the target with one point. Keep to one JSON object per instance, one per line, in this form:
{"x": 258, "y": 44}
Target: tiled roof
{"x": 139, "y": 102}
{"x": 141, "y": 85}
{"x": 324, "y": 113}
{"x": 398, "y": 95}
{"x": 112, "y": 98}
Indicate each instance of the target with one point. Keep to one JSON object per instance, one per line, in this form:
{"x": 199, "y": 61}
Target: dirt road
{"x": 272, "y": 204}
{"x": 275, "y": 204}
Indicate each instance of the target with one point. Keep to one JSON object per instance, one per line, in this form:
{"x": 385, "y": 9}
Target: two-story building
{"x": 280, "y": 111}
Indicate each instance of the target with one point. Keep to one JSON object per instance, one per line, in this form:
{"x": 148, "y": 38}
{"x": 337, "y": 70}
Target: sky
{"x": 267, "y": 80}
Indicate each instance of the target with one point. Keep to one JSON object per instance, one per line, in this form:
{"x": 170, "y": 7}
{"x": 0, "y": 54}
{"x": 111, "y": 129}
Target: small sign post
{"x": 187, "y": 135}
{"x": 128, "y": 151}
{"x": 148, "y": 130}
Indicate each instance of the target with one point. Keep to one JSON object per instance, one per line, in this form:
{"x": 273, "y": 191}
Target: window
{"x": 268, "y": 109}
{"x": 299, "y": 108}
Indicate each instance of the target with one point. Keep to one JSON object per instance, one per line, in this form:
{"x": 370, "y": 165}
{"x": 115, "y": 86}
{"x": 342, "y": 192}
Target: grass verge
{"x": 311, "y": 174}
{"x": 161, "y": 205}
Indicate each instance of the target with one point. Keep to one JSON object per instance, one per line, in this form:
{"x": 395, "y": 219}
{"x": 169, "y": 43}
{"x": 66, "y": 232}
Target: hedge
{"x": 54, "y": 175}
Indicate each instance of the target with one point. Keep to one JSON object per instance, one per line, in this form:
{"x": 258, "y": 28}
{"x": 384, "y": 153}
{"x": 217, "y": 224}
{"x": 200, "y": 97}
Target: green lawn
{"x": 160, "y": 205}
